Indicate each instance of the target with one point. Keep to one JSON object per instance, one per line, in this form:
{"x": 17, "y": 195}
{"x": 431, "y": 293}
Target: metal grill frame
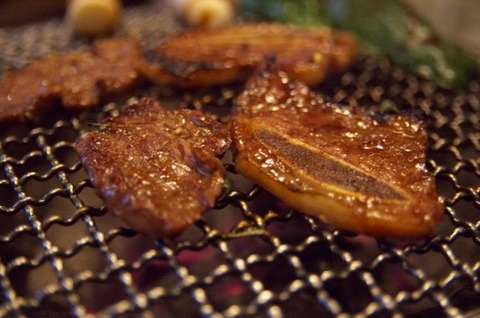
{"x": 266, "y": 259}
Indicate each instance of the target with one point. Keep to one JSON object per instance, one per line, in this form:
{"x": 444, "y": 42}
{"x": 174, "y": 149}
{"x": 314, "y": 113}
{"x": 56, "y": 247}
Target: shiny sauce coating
{"x": 338, "y": 163}
{"x": 156, "y": 169}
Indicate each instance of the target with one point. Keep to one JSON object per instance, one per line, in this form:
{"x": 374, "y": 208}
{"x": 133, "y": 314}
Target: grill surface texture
{"x": 63, "y": 255}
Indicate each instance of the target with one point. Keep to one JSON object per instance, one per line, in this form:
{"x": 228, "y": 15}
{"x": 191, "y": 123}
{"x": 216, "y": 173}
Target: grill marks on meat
{"x": 231, "y": 54}
{"x": 337, "y": 163}
{"x": 77, "y": 79}
{"x": 192, "y": 59}
{"x": 157, "y": 169}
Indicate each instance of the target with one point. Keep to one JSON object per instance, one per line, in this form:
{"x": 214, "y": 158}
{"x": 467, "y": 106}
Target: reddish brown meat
{"x": 77, "y": 79}
{"x": 157, "y": 169}
{"x": 215, "y": 57}
{"x": 192, "y": 59}
{"x": 336, "y": 163}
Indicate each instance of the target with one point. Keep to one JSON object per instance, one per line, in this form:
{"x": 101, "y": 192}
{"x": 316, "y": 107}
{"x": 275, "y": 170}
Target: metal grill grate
{"x": 62, "y": 254}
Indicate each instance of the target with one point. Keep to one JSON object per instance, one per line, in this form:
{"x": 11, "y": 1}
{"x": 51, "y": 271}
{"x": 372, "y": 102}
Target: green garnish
{"x": 100, "y": 127}
{"x": 384, "y": 27}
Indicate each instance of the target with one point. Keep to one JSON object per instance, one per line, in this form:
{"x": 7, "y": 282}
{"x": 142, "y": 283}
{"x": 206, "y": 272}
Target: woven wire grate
{"x": 63, "y": 254}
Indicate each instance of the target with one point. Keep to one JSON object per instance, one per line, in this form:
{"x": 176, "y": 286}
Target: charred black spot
{"x": 178, "y": 67}
{"x": 152, "y": 56}
{"x": 245, "y": 46}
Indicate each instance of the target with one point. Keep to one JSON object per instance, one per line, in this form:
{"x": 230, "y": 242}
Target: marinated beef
{"x": 76, "y": 79}
{"x": 338, "y": 163}
{"x": 206, "y": 57}
{"x": 192, "y": 59}
{"x": 158, "y": 170}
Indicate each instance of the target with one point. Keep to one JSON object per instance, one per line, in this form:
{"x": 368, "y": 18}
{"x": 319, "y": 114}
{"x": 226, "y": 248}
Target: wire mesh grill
{"x": 63, "y": 254}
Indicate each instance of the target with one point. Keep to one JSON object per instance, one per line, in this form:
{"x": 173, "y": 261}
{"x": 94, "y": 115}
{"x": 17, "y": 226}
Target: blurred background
{"x": 458, "y": 21}
{"x": 436, "y": 39}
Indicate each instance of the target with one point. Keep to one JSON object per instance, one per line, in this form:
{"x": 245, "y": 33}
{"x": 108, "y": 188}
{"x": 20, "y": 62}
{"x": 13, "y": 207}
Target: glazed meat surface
{"x": 76, "y": 79}
{"x": 193, "y": 59}
{"x": 337, "y": 163}
{"x": 199, "y": 58}
{"x": 156, "y": 169}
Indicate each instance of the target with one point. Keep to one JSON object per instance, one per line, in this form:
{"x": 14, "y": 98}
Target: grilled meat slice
{"x": 192, "y": 59}
{"x": 77, "y": 79}
{"x": 220, "y": 56}
{"x": 157, "y": 169}
{"x": 333, "y": 162}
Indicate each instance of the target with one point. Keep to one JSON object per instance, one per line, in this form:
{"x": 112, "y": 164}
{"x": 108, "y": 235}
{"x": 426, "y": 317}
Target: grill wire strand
{"x": 63, "y": 254}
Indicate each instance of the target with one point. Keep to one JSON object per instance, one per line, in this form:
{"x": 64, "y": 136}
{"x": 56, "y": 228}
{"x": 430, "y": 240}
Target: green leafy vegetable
{"x": 100, "y": 127}
{"x": 387, "y": 106}
{"x": 385, "y": 27}
{"x": 305, "y": 12}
